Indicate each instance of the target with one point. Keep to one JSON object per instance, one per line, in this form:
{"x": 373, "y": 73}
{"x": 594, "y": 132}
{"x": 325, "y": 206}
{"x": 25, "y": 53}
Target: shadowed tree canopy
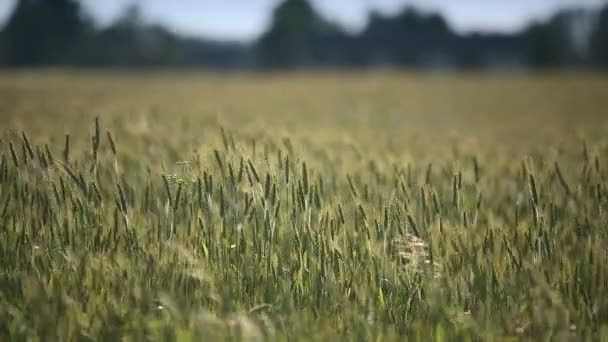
{"x": 599, "y": 39}
{"x": 407, "y": 38}
{"x": 293, "y": 36}
{"x": 543, "y": 45}
{"x": 552, "y": 43}
{"x": 43, "y": 31}
{"x": 130, "y": 41}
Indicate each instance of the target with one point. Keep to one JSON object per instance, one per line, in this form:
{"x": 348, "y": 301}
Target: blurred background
{"x": 297, "y": 34}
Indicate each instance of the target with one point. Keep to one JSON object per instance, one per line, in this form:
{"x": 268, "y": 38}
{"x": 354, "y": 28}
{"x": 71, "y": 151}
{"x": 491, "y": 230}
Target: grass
{"x": 303, "y": 207}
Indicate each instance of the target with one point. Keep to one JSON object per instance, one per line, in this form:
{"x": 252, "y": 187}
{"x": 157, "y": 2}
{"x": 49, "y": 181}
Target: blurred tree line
{"x": 58, "y": 32}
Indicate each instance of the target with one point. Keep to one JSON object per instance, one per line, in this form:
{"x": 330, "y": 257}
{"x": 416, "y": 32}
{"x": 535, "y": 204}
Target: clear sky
{"x": 245, "y": 19}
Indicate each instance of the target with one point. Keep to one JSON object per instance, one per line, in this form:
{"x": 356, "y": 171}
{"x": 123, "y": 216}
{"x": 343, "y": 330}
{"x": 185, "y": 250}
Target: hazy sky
{"x": 245, "y": 19}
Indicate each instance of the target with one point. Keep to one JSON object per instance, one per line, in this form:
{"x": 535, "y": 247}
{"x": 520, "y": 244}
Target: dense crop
{"x": 351, "y": 207}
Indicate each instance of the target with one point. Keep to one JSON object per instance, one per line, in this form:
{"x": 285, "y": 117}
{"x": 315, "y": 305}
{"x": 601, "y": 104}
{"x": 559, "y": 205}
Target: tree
{"x": 290, "y": 41}
{"x": 43, "y": 31}
{"x": 599, "y": 39}
{"x": 409, "y": 37}
{"x": 550, "y": 44}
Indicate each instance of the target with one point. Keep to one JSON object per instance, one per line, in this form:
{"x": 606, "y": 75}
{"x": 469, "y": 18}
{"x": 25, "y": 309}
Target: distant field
{"x": 187, "y": 206}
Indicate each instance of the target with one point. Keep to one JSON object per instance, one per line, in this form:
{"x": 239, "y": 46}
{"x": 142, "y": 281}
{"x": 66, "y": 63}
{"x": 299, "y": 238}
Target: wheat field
{"x": 283, "y": 207}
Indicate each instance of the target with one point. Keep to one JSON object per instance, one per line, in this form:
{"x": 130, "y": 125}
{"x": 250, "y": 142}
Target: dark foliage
{"x": 57, "y": 32}
{"x": 599, "y": 39}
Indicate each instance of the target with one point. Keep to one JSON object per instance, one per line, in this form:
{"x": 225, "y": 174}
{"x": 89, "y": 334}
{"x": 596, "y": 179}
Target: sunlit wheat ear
{"x": 66, "y": 149}
{"x": 13, "y": 154}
